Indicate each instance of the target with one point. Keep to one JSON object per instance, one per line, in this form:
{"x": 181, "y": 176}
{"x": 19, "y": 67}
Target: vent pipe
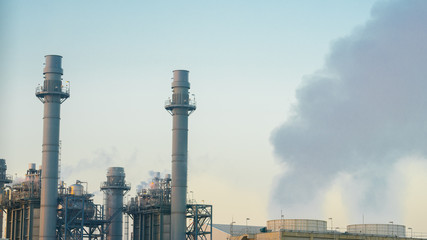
{"x": 180, "y": 107}
{"x": 114, "y": 189}
{"x": 51, "y": 94}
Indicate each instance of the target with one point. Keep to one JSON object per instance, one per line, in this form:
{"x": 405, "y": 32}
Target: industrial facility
{"x": 151, "y": 212}
{"x": 310, "y": 229}
{"x": 41, "y": 207}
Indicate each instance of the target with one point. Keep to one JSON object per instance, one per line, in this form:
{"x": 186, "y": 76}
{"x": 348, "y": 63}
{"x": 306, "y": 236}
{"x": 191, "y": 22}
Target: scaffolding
{"x": 199, "y": 222}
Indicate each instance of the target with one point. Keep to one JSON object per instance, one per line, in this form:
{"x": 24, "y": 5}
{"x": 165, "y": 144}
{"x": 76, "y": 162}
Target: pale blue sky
{"x": 246, "y": 59}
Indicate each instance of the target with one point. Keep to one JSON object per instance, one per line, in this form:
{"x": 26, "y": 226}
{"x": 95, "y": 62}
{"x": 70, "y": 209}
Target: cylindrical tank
{"x": 73, "y": 206}
{"x": 76, "y": 189}
{"x": 378, "y": 229}
{"x": 114, "y": 189}
{"x": 305, "y": 225}
{"x": 180, "y": 107}
{"x": 52, "y": 96}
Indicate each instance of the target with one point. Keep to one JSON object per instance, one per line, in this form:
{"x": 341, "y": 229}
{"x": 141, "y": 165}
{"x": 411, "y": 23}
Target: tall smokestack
{"x": 52, "y": 94}
{"x": 114, "y": 189}
{"x": 180, "y": 107}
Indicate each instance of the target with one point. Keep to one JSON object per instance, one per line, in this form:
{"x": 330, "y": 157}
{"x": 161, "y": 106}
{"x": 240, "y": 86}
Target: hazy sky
{"x": 358, "y": 130}
{"x": 258, "y": 69}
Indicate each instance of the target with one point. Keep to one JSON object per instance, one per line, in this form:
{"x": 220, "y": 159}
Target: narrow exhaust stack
{"x": 51, "y": 94}
{"x": 114, "y": 189}
{"x": 180, "y": 107}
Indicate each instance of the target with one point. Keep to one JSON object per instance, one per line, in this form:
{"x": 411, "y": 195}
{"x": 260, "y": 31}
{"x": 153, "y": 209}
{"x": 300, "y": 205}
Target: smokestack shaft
{"x": 49, "y": 193}
{"x": 51, "y": 95}
{"x": 180, "y": 108}
{"x": 179, "y": 172}
{"x": 115, "y": 204}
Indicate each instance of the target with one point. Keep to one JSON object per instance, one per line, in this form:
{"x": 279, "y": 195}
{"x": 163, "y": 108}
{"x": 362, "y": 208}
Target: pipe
{"x": 52, "y": 95}
{"x": 180, "y": 108}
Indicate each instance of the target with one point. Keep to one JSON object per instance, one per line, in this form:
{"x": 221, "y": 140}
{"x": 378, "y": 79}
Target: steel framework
{"x": 199, "y": 222}
{"x": 150, "y": 211}
{"x": 79, "y": 218}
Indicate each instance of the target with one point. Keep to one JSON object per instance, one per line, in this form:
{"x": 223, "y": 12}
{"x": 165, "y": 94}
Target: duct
{"x": 180, "y": 106}
{"x": 52, "y": 94}
{"x": 114, "y": 189}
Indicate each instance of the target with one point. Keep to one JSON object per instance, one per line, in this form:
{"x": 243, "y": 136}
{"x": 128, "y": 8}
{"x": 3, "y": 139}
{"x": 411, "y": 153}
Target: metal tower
{"x": 180, "y": 107}
{"x": 51, "y": 94}
{"x": 114, "y": 189}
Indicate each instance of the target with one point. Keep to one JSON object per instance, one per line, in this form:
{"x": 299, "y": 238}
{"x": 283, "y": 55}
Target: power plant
{"x": 41, "y": 207}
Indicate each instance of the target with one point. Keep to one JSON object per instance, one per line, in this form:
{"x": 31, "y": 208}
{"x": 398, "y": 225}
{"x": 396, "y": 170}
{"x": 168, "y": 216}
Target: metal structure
{"x": 52, "y": 94}
{"x": 21, "y": 201}
{"x": 39, "y": 208}
{"x": 114, "y": 189}
{"x": 199, "y": 222}
{"x": 4, "y": 179}
{"x": 78, "y": 217}
{"x": 150, "y": 210}
{"x": 180, "y": 107}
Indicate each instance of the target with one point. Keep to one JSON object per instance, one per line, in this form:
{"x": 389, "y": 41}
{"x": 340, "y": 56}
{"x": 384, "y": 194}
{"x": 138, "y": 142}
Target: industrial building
{"x": 77, "y": 215}
{"x": 309, "y": 229}
{"x": 226, "y": 231}
{"x": 150, "y": 210}
{"x": 40, "y": 207}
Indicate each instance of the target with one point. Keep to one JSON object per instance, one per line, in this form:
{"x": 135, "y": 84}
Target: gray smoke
{"x": 361, "y": 113}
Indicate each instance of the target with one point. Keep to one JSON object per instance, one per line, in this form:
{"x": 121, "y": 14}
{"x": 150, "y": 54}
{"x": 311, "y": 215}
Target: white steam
{"x": 357, "y": 120}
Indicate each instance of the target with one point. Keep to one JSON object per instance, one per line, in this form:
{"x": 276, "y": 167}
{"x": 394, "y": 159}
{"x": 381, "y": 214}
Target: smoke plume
{"x": 358, "y": 118}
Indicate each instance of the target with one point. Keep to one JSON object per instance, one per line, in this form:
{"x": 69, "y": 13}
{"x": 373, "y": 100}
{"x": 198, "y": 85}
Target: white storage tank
{"x": 378, "y": 229}
{"x": 76, "y": 189}
{"x": 305, "y": 225}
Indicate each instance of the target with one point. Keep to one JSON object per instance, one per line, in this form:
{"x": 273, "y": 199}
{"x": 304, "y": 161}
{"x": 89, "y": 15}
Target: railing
{"x": 117, "y": 185}
{"x": 417, "y": 235}
{"x": 191, "y": 102}
{"x": 64, "y": 89}
{"x": 6, "y": 178}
